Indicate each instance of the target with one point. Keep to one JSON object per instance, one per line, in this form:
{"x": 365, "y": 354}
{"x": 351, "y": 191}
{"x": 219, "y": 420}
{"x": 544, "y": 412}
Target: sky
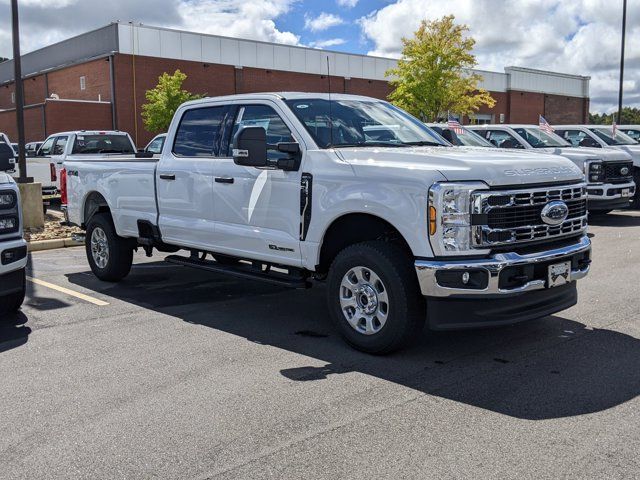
{"x": 569, "y": 36}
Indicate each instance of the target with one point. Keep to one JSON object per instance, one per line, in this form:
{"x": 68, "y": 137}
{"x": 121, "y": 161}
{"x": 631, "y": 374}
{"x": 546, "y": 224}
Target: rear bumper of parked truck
{"x": 502, "y": 289}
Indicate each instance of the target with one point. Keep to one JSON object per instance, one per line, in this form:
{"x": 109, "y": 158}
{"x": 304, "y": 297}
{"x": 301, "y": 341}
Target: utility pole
{"x": 17, "y": 81}
{"x": 624, "y": 27}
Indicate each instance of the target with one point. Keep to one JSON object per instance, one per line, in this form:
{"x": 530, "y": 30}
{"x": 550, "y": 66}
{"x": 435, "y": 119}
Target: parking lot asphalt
{"x": 178, "y": 373}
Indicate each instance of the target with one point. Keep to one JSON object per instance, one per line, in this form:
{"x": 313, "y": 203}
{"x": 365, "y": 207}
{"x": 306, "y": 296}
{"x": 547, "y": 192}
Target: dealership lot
{"x": 178, "y": 373}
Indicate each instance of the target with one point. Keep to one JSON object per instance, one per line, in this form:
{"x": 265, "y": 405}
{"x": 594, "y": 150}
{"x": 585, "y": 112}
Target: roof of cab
{"x": 283, "y": 96}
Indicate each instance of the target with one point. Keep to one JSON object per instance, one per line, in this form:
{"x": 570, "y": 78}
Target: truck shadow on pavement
{"x": 13, "y": 331}
{"x": 550, "y": 368}
{"x": 619, "y": 219}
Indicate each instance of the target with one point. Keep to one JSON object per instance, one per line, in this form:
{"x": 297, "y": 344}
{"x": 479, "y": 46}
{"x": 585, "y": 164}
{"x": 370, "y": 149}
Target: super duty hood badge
{"x": 524, "y": 172}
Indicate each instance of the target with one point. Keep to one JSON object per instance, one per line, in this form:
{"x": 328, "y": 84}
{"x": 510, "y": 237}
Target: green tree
{"x": 433, "y": 76}
{"x": 630, "y": 116}
{"x": 164, "y": 100}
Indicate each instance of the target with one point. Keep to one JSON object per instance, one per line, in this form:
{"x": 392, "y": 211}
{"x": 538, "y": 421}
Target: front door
{"x": 184, "y": 179}
{"x": 257, "y": 211}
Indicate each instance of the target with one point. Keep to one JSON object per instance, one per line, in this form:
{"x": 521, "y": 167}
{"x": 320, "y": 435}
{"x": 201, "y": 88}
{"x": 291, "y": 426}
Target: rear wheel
{"x": 109, "y": 255}
{"x": 374, "y": 298}
{"x": 12, "y": 303}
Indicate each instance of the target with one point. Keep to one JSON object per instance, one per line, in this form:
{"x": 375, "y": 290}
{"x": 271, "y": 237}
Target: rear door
{"x": 184, "y": 178}
{"x": 257, "y": 211}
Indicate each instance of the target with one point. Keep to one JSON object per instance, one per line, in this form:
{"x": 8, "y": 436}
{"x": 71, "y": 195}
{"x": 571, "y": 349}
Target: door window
{"x": 267, "y": 118}
{"x": 47, "y": 146}
{"x": 502, "y": 139}
{"x": 199, "y": 132}
{"x": 578, "y": 138}
{"x": 635, "y": 134}
{"x": 58, "y": 148}
{"x": 156, "y": 145}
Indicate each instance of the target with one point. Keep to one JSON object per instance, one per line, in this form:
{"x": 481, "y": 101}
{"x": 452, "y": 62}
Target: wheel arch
{"x": 352, "y": 228}
{"x": 94, "y": 203}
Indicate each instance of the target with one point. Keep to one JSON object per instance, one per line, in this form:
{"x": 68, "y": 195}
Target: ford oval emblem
{"x": 624, "y": 171}
{"x": 554, "y": 213}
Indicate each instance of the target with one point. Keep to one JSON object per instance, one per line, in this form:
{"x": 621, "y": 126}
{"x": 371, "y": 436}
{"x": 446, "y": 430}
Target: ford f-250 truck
{"x": 13, "y": 248}
{"x": 349, "y": 190}
{"x": 608, "y": 172}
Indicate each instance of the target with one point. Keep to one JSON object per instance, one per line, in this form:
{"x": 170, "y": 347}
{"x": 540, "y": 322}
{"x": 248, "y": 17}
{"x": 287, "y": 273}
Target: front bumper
{"x": 13, "y": 260}
{"x": 608, "y": 196}
{"x": 500, "y": 266}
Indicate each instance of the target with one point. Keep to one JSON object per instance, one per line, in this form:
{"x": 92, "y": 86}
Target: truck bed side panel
{"x": 128, "y": 187}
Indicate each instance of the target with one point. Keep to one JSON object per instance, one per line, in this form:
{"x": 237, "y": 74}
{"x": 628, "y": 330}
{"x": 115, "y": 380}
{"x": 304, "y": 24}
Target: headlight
{"x": 7, "y": 200}
{"x": 450, "y": 217}
{"x": 594, "y": 172}
{"x": 8, "y": 224}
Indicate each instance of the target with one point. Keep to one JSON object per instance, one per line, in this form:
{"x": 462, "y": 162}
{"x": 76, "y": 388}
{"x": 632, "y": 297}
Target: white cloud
{"x": 578, "y": 36}
{"x": 331, "y": 42}
{"x": 322, "y": 22}
{"x": 347, "y": 3}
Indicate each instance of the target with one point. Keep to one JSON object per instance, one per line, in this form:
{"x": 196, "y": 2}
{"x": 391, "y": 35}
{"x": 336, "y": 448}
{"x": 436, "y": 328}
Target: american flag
{"x": 614, "y": 129}
{"x": 454, "y": 125}
{"x": 544, "y": 125}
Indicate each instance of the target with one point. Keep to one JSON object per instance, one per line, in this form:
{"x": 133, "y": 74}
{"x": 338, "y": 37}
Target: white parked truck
{"x": 13, "y": 248}
{"x": 608, "y": 172}
{"x": 602, "y": 136}
{"x": 350, "y": 190}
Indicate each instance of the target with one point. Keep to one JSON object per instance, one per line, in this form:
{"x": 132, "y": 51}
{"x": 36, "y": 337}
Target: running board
{"x": 244, "y": 271}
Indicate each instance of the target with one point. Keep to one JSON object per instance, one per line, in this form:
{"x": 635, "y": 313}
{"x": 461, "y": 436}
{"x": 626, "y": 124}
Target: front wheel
{"x": 109, "y": 255}
{"x": 374, "y": 298}
{"x": 12, "y": 303}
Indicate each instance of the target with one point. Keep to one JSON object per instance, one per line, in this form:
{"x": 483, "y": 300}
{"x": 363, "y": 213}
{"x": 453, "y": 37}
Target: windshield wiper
{"x": 424, "y": 143}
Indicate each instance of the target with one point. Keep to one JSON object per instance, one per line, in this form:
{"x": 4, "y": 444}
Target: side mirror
{"x": 250, "y": 147}
{"x": 7, "y": 158}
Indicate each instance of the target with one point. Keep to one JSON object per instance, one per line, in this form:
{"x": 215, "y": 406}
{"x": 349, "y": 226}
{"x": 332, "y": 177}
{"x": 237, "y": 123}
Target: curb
{"x": 40, "y": 245}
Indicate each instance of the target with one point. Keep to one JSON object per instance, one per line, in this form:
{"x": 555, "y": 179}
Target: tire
{"x": 109, "y": 255}
{"x": 635, "y": 203}
{"x": 12, "y": 303}
{"x": 376, "y": 274}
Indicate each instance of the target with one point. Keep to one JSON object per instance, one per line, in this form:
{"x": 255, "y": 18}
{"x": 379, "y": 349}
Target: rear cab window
{"x": 96, "y": 144}
{"x": 199, "y": 132}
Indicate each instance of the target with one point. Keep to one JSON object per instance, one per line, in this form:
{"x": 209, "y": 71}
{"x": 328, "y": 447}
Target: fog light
{"x": 465, "y": 277}
{"x": 8, "y": 224}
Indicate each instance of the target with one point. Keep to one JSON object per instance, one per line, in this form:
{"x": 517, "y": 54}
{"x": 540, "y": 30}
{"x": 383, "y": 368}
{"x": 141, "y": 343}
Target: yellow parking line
{"x": 79, "y": 295}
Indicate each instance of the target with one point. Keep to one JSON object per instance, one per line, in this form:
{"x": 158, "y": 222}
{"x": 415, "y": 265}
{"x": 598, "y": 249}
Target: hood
{"x": 587, "y": 153}
{"x": 494, "y": 167}
{"x": 5, "y": 178}
{"x": 633, "y": 150}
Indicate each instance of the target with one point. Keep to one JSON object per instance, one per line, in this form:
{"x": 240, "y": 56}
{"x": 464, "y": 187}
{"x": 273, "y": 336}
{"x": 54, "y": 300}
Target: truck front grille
{"x": 515, "y": 216}
{"x": 613, "y": 172}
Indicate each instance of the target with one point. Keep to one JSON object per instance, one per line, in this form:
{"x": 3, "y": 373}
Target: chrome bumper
{"x": 607, "y": 187}
{"x": 426, "y": 270}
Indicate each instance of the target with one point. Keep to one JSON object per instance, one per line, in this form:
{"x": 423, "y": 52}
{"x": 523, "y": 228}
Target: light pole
{"x": 624, "y": 27}
{"x": 17, "y": 80}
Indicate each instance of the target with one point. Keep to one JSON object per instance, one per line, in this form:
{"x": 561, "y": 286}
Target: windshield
{"x": 538, "y": 138}
{"x": 102, "y": 144}
{"x": 360, "y": 123}
{"x": 465, "y": 138}
{"x": 606, "y": 134}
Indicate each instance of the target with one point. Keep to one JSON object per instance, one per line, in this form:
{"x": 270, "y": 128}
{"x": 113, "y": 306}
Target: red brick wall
{"x": 33, "y": 120}
{"x": 525, "y": 107}
{"x": 565, "y": 110}
{"x": 370, "y": 88}
{"x": 66, "y": 82}
{"x": 63, "y": 116}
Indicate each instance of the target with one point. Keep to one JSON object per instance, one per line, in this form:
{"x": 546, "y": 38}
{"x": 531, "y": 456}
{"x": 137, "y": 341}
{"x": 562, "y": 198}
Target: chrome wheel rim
{"x": 99, "y": 247}
{"x": 364, "y": 300}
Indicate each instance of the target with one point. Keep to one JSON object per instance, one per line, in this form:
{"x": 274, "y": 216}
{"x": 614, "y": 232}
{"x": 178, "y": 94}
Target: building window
{"x": 13, "y": 97}
{"x": 83, "y": 83}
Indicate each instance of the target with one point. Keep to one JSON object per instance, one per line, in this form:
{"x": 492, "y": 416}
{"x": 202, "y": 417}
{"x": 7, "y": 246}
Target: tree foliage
{"x": 630, "y": 116}
{"x": 163, "y": 100}
{"x": 433, "y": 76}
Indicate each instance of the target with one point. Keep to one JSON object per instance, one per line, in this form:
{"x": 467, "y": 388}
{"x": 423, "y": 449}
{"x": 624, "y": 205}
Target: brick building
{"x": 98, "y": 80}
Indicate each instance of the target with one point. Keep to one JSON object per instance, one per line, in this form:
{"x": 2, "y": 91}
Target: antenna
{"x": 330, "y": 103}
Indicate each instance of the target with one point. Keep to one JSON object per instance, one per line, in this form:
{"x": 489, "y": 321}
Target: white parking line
{"x": 67, "y": 291}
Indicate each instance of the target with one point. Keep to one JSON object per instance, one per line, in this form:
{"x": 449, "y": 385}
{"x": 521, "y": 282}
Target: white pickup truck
{"x": 602, "y": 136}
{"x": 13, "y": 248}
{"x": 349, "y": 190}
{"x": 609, "y": 172}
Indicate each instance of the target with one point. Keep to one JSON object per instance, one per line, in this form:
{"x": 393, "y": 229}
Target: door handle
{"x": 167, "y": 176}
{"x": 224, "y": 180}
